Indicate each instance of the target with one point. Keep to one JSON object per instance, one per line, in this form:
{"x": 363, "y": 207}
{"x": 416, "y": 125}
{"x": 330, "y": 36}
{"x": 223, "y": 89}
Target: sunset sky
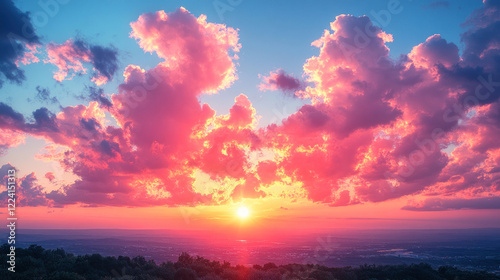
{"x": 312, "y": 115}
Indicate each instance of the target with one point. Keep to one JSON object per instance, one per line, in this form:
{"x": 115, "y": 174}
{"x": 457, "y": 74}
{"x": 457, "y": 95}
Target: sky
{"x": 175, "y": 114}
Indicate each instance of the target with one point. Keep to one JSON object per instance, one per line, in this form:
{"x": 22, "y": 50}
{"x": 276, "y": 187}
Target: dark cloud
{"x": 16, "y": 31}
{"x": 43, "y": 95}
{"x": 4, "y": 171}
{"x": 442, "y": 204}
{"x": 104, "y": 60}
{"x": 280, "y": 80}
{"x": 9, "y": 117}
{"x": 90, "y": 124}
{"x": 108, "y": 148}
{"x": 44, "y": 120}
{"x": 485, "y": 15}
{"x": 97, "y": 94}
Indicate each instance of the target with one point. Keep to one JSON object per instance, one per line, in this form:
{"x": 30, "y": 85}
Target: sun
{"x": 243, "y": 212}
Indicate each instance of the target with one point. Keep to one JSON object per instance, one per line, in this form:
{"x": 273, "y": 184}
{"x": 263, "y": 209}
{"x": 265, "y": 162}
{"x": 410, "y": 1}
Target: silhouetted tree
{"x": 269, "y": 266}
{"x": 36, "y": 263}
{"x": 184, "y": 273}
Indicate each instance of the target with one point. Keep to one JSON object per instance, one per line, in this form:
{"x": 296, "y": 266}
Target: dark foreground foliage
{"x": 37, "y": 263}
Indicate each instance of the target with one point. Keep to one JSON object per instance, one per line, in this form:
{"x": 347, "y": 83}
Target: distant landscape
{"x": 38, "y": 263}
{"x": 464, "y": 249}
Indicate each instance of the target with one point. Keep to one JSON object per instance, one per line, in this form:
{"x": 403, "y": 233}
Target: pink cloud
{"x": 68, "y": 59}
{"x": 70, "y": 56}
{"x": 267, "y": 172}
{"x": 224, "y": 153}
{"x": 9, "y": 139}
{"x": 250, "y": 189}
{"x": 29, "y": 55}
{"x": 28, "y": 191}
{"x": 376, "y": 128}
{"x": 241, "y": 115}
{"x": 50, "y": 176}
{"x": 190, "y": 47}
{"x": 138, "y": 154}
{"x": 434, "y": 51}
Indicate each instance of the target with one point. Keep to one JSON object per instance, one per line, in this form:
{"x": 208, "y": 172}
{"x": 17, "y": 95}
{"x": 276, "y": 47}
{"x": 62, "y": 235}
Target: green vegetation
{"x": 37, "y": 263}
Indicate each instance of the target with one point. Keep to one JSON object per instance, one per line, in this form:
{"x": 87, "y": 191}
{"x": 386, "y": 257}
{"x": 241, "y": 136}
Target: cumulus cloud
{"x": 435, "y": 51}
{"x": 162, "y": 125}
{"x": 190, "y": 46}
{"x": 376, "y": 128}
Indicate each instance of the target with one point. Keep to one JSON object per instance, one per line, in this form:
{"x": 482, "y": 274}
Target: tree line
{"x": 36, "y": 262}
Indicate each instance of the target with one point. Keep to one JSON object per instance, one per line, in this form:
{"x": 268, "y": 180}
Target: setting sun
{"x": 243, "y": 212}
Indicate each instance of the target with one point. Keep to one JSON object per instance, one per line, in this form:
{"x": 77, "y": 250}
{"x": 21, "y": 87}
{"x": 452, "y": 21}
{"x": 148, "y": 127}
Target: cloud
{"x": 97, "y": 94}
{"x": 9, "y": 117}
{"x": 141, "y": 157}
{"x": 44, "y": 120}
{"x": 267, "y": 172}
{"x": 70, "y": 56}
{"x": 250, "y": 189}
{"x": 11, "y": 133}
{"x": 28, "y": 191}
{"x": 9, "y": 139}
{"x": 279, "y": 80}
{"x": 18, "y": 42}
{"x": 439, "y": 204}
{"x": 190, "y": 47}
{"x": 43, "y": 95}
{"x": 377, "y": 128}
{"x": 105, "y": 62}
{"x": 50, "y": 176}
{"x": 435, "y": 50}
{"x": 241, "y": 115}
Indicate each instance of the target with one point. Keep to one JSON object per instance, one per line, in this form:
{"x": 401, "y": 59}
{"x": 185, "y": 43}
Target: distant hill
{"x": 37, "y": 263}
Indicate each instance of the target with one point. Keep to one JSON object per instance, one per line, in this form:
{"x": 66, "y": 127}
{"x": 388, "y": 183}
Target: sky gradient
{"x": 173, "y": 114}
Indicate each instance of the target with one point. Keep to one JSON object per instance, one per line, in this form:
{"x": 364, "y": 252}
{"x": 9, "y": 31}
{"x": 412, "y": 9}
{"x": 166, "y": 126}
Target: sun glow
{"x": 243, "y": 212}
